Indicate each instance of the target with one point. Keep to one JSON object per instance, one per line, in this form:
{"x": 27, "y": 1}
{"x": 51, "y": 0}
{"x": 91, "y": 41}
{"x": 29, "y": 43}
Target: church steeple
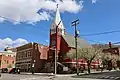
{"x": 55, "y": 23}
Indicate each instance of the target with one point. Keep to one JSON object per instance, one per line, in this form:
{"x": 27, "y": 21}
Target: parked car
{"x": 14, "y": 71}
{"x": 4, "y": 70}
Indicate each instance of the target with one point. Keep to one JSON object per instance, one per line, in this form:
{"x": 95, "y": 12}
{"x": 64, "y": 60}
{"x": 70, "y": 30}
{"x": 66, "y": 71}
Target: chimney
{"x": 110, "y": 45}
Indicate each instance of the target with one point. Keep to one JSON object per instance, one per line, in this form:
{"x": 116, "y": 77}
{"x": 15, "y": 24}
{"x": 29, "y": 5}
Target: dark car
{"x": 14, "y": 71}
{"x": 4, "y": 70}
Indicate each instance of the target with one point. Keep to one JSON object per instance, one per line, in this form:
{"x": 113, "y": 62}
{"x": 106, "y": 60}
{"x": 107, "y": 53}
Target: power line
{"x": 92, "y": 34}
{"x": 116, "y": 43}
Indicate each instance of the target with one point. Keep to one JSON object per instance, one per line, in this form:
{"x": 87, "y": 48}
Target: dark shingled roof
{"x": 71, "y": 41}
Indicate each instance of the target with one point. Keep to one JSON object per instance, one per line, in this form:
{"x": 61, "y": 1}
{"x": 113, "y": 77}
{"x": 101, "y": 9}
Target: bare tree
{"x": 117, "y": 59}
{"x": 86, "y": 53}
{"x": 105, "y": 58}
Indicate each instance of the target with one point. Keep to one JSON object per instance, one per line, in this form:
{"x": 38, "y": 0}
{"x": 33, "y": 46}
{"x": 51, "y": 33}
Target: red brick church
{"x": 61, "y": 41}
{"x": 42, "y": 58}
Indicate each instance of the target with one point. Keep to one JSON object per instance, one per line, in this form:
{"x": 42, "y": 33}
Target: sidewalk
{"x": 94, "y": 71}
{"x": 40, "y": 74}
{"x": 60, "y": 75}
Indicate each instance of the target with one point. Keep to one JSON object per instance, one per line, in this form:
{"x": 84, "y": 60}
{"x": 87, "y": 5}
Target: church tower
{"x": 57, "y": 30}
{"x": 57, "y": 23}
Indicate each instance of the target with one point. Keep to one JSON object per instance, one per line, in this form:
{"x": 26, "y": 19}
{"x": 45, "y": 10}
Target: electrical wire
{"x": 92, "y": 34}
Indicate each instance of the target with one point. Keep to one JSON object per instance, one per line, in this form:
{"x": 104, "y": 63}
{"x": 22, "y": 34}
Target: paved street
{"x": 114, "y": 75}
{"x": 110, "y": 75}
{"x": 39, "y": 77}
{"x": 22, "y": 77}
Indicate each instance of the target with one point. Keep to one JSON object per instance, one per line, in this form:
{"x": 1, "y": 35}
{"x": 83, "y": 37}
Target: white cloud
{"x": 26, "y": 10}
{"x": 2, "y": 19}
{"x": 19, "y": 42}
{"x": 7, "y": 42}
{"x": 94, "y": 1}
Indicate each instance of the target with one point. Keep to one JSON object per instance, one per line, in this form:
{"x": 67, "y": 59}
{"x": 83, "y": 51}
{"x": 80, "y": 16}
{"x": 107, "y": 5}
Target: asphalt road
{"x": 34, "y": 77}
{"x": 22, "y": 77}
{"x": 114, "y": 75}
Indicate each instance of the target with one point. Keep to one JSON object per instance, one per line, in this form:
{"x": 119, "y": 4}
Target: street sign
{"x": 65, "y": 68}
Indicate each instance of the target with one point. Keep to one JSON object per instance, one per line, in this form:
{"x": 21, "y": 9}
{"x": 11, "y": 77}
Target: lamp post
{"x": 56, "y": 48}
{"x": 55, "y": 61}
{"x": 74, "y": 23}
{"x": 33, "y": 66}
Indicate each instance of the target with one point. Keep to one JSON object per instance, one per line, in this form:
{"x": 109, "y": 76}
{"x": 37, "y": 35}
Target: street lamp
{"x": 74, "y": 23}
{"x": 55, "y": 60}
{"x": 56, "y": 48}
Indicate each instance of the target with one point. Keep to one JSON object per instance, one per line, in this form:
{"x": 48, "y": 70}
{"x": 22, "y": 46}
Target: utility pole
{"x": 74, "y": 23}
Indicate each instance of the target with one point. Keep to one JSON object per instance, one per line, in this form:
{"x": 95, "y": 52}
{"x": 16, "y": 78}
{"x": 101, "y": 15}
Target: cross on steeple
{"x": 57, "y": 5}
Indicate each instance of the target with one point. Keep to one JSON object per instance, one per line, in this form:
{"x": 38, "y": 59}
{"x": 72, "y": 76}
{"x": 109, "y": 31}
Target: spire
{"x": 56, "y": 21}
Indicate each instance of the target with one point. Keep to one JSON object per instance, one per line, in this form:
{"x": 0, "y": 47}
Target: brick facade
{"x": 29, "y": 55}
{"x": 115, "y": 50}
{"x": 7, "y": 62}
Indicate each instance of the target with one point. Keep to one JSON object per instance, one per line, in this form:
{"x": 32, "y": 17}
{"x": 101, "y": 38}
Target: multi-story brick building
{"x": 7, "y": 59}
{"x": 31, "y": 55}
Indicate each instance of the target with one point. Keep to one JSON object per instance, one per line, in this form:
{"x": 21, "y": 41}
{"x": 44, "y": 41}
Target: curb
{"x": 38, "y": 74}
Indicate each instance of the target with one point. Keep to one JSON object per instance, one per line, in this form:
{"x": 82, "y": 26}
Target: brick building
{"x": 31, "y": 55}
{"x": 112, "y": 50}
{"x": 7, "y": 59}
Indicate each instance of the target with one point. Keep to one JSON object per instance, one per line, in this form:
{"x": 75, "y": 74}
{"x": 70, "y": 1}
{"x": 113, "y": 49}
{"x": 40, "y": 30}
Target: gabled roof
{"x": 70, "y": 40}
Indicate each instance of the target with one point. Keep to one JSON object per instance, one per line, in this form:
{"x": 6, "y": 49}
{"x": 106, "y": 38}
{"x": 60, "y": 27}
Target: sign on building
{"x": 65, "y": 68}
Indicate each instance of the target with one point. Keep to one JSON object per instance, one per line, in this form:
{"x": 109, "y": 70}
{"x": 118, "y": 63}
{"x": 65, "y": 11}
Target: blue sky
{"x": 102, "y": 16}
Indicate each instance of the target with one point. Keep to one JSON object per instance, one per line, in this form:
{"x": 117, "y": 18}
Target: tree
{"x": 118, "y": 61}
{"x": 86, "y": 53}
{"x": 106, "y": 59}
